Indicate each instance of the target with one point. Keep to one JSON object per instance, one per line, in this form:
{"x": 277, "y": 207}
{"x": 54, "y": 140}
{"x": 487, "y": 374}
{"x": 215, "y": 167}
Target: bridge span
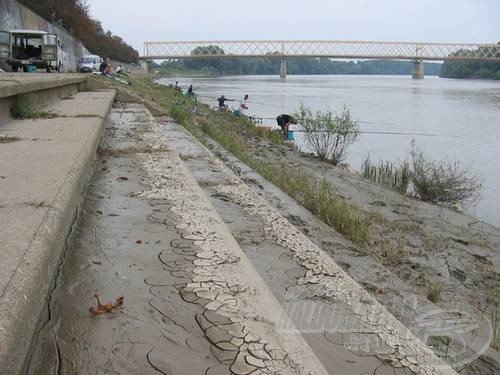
{"x": 418, "y": 52}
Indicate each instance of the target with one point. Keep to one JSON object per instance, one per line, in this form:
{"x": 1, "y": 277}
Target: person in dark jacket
{"x": 284, "y": 122}
{"x": 104, "y": 66}
{"x": 222, "y": 102}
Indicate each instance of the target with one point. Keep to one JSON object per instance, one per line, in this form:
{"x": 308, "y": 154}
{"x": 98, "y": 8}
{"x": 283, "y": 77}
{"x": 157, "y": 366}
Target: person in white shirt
{"x": 243, "y": 105}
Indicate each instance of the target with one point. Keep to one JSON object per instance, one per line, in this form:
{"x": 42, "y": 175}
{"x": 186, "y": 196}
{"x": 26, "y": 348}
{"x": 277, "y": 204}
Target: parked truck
{"x": 29, "y": 49}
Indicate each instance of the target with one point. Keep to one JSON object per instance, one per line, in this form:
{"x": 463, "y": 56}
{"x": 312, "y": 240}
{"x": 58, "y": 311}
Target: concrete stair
{"x": 45, "y": 165}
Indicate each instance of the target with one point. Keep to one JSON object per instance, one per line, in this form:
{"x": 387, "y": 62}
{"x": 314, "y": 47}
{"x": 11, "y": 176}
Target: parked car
{"x": 29, "y": 49}
{"x": 89, "y": 63}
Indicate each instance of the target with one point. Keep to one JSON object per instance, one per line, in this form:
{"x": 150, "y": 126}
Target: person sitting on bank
{"x": 108, "y": 71}
{"x": 119, "y": 70}
{"x": 284, "y": 122}
{"x": 190, "y": 91}
{"x": 222, "y": 102}
{"x": 104, "y": 66}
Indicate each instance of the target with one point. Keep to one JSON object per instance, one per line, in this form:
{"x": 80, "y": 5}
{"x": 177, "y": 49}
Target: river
{"x": 447, "y": 118}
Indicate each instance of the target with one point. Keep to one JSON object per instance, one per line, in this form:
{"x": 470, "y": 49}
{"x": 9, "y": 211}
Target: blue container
{"x": 31, "y": 68}
{"x": 290, "y": 136}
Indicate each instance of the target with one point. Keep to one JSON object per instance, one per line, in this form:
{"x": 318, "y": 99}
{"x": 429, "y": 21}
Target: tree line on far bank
{"x": 472, "y": 69}
{"x": 302, "y": 66}
{"x": 74, "y": 16}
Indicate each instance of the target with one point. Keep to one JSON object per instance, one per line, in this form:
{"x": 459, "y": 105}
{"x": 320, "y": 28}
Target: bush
{"x": 439, "y": 181}
{"x": 329, "y": 134}
{"x": 443, "y": 181}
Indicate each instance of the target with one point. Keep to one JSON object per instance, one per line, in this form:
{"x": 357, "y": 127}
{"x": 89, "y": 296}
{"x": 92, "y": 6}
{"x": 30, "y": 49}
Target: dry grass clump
{"x": 439, "y": 181}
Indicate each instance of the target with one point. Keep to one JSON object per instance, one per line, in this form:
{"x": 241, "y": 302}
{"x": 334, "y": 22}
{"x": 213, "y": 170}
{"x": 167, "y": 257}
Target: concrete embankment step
{"x": 44, "y": 168}
{"x": 36, "y": 89}
{"x": 193, "y": 302}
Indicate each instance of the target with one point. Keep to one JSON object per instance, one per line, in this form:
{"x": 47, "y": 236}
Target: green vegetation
{"x": 471, "y": 69}
{"x": 8, "y": 139}
{"x": 74, "y": 15}
{"x": 394, "y": 177}
{"x": 317, "y": 196}
{"x": 439, "y": 181}
{"x": 329, "y": 134}
{"x": 20, "y": 108}
{"x": 434, "y": 291}
{"x": 271, "y": 66}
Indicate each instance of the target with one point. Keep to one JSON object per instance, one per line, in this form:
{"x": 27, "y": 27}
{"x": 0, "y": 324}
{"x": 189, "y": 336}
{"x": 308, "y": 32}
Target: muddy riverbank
{"x": 416, "y": 251}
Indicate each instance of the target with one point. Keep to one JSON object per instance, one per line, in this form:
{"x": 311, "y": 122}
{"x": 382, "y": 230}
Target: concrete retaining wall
{"x": 16, "y": 16}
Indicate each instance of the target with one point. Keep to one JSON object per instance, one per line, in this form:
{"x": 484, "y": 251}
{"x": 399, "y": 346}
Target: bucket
{"x": 290, "y": 136}
{"x": 31, "y": 68}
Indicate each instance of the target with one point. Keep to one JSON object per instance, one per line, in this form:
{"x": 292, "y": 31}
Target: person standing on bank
{"x": 222, "y": 102}
{"x": 243, "y": 105}
{"x": 284, "y": 122}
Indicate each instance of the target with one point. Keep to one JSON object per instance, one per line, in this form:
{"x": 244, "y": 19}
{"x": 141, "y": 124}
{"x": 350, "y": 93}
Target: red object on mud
{"x": 102, "y": 309}
{"x": 122, "y": 178}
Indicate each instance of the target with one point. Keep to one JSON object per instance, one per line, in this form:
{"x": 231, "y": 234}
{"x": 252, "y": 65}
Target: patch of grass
{"x": 317, "y": 196}
{"x": 21, "y": 109}
{"x": 8, "y": 139}
{"x": 434, "y": 290}
{"x": 440, "y": 181}
{"x": 117, "y": 152}
{"x": 394, "y": 177}
{"x": 40, "y": 204}
{"x": 389, "y": 253}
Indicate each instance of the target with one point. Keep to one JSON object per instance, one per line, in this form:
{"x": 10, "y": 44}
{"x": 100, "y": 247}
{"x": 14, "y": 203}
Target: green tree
{"x": 329, "y": 134}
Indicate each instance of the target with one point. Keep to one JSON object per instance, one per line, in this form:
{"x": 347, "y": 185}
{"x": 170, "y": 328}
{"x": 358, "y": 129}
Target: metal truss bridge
{"x": 414, "y": 51}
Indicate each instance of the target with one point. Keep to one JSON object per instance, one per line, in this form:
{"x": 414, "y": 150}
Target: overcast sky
{"x": 385, "y": 20}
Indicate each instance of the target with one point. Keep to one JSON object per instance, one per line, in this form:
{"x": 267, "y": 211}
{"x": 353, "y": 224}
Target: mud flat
{"x": 218, "y": 266}
{"x": 193, "y": 304}
{"x": 194, "y": 299}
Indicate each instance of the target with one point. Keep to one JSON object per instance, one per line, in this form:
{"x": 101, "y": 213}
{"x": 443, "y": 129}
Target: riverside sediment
{"x": 192, "y": 302}
{"x": 365, "y": 267}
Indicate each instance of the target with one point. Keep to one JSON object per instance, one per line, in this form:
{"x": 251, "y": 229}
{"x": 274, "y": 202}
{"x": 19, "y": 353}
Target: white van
{"x": 89, "y": 63}
{"x": 29, "y": 49}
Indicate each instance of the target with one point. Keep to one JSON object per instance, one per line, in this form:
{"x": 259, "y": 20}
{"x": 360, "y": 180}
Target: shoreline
{"x": 431, "y": 250}
{"x": 451, "y": 134}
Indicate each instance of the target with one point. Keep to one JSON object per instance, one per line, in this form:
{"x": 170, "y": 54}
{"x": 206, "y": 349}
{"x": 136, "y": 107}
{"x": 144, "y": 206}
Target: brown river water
{"x": 447, "y": 118}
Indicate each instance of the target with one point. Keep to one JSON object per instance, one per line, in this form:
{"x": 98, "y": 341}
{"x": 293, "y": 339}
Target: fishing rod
{"x": 361, "y": 122}
{"x": 376, "y": 132}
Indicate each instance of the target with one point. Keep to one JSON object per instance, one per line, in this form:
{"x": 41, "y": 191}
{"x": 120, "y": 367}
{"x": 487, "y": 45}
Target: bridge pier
{"x": 146, "y": 65}
{"x": 283, "y": 69}
{"x": 418, "y": 70}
